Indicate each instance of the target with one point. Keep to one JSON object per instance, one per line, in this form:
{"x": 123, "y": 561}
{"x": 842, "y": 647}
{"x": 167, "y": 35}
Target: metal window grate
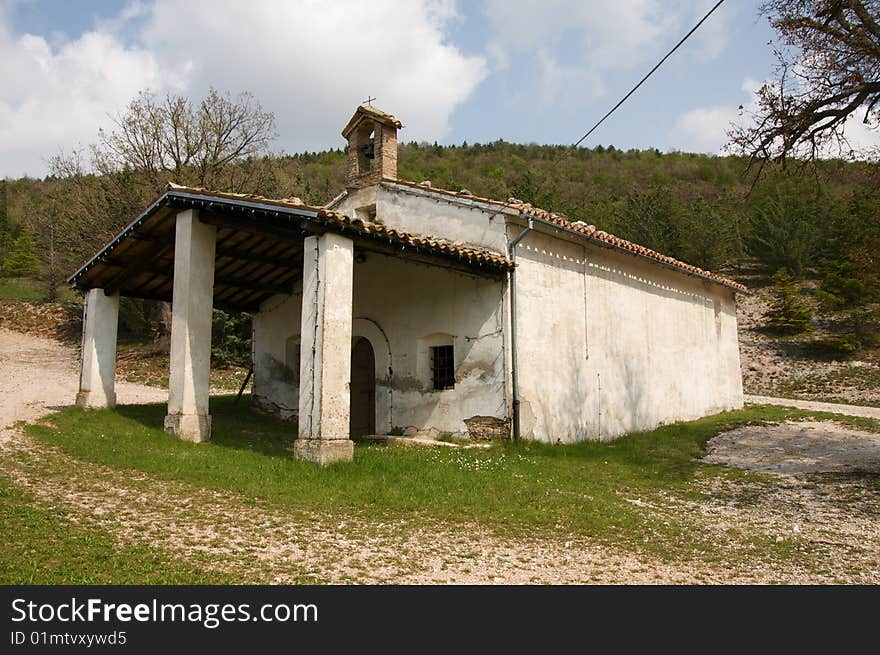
{"x": 443, "y": 365}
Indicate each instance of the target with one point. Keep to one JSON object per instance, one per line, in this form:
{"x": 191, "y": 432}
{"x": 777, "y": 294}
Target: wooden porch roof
{"x": 259, "y": 247}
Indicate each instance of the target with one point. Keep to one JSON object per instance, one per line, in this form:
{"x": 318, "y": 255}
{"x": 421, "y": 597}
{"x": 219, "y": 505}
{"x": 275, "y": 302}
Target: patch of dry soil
{"x": 797, "y": 447}
{"x": 820, "y": 493}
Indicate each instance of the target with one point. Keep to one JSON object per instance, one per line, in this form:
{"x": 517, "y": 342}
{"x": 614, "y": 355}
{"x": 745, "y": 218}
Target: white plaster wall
{"x": 401, "y": 308}
{"x": 406, "y": 210}
{"x": 275, "y": 384}
{"x": 413, "y": 304}
{"x": 354, "y": 199}
{"x": 608, "y": 344}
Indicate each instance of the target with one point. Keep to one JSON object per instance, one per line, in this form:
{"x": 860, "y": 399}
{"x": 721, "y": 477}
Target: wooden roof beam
{"x": 276, "y": 231}
{"x": 281, "y": 262}
{"x": 140, "y": 265}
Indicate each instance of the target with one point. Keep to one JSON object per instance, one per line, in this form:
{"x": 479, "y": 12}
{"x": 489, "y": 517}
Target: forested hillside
{"x": 816, "y": 229}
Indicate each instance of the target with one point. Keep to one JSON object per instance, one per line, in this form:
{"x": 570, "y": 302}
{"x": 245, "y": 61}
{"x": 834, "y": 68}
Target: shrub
{"x": 838, "y": 347}
{"x": 230, "y": 339}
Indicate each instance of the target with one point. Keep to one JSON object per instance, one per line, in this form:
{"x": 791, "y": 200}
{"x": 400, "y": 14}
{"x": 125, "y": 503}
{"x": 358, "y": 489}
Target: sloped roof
{"x": 457, "y": 249}
{"x": 377, "y": 114}
{"x": 259, "y": 248}
{"x": 587, "y": 231}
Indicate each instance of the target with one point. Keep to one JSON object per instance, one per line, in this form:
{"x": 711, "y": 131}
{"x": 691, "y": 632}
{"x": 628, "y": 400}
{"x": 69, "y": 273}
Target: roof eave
{"x": 611, "y": 246}
{"x": 363, "y": 112}
{"x": 189, "y": 197}
{"x": 166, "y": 199}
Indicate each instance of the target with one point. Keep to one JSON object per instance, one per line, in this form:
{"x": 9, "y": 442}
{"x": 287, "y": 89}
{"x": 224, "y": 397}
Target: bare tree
{"x": 68, "y": 219}
{"x": 828, "y": 71}
{"x": 218, "y": 144}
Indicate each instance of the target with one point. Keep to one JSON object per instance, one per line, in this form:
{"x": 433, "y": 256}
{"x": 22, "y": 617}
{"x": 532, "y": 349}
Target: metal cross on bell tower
{"x": 369, "y": 100}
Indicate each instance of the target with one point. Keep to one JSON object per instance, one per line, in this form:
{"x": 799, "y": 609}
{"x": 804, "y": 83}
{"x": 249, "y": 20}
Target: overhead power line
{"x": 650, "y": 72}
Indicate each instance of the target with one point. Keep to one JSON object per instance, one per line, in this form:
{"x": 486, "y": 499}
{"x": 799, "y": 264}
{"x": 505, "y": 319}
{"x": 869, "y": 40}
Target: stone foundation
{"x": 191, "y": 427}
{"x": 91, "y": 399}
{"x": 324, "y": 451}
{"x": 487, "y": 428}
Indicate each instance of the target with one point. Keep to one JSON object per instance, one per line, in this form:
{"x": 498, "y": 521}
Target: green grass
{"x": 22, "y": 289}
{"x": 515, "y": 488}
{"x": 39, "y": 544}
{"x": 26, "y": 289}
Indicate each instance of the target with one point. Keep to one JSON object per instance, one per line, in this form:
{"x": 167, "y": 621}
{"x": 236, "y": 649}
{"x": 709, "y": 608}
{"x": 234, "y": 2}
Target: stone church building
{"x": 402, "y": 307}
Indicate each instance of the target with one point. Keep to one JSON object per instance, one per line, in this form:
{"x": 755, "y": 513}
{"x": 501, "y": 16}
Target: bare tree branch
{"x": 829, "y": 69}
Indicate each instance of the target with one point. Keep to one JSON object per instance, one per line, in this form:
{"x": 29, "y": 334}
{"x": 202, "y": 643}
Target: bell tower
{"x": 372, "y": 147}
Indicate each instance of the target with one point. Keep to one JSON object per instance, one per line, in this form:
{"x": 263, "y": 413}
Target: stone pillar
{"x": 325, "y": 351}
{"x": 100, "y": 321}
{"x": 191, "y": 309}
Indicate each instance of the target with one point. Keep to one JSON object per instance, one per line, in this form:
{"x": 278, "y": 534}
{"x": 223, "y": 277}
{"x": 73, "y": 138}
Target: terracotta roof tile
{"x": 588, "y": 231}
{"x": 456, "y": 249}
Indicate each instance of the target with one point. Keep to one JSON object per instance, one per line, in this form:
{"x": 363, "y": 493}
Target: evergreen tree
{"x": 788, "y": 314}
{"x": 708, "y": 236}
{"x": 788, "y": 223}
{"x": 22, "y": 259}
{"x": 650, "y": 218}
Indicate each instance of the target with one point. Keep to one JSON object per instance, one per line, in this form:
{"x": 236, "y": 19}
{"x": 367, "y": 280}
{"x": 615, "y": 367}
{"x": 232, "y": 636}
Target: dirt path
{"x": 815, "y": 406}
{"x": 38, "y": 375}
{"x": 266, "y": 543}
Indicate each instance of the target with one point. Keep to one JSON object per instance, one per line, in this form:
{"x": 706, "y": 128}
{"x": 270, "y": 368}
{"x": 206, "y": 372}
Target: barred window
{"x": 443, "y": 367}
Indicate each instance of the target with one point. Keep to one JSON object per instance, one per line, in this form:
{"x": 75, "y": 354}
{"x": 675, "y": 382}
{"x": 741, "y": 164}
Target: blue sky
{"x": 523, "y": 71}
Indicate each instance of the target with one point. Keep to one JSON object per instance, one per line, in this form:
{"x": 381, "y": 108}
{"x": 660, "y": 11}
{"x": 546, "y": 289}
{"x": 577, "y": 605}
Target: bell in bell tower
{"x": 372, "y": 147}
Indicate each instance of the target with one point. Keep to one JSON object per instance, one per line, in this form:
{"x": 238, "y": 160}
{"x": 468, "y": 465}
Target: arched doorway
{"x": 363, "y": 388}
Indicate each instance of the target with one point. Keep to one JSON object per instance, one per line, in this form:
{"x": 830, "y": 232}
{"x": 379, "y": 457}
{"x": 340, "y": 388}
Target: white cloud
{"x": 704, "y": 129}
{"x": 714, "y": 35}
{"x": 595, "y": 42}
{"x": 53, "y": 98}
{"x": 309, "y": 62}
{"x": 612, "y": 38}
{"x": 313, "y": 62}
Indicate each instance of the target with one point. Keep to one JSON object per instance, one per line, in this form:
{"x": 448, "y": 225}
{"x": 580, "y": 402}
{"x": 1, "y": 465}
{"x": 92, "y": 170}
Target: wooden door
{"x": 363, "y": 389}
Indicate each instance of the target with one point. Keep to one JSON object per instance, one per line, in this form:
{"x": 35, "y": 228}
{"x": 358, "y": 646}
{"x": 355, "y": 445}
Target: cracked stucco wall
{"x": 403, "y": 309}
{"x": 609, "y": 344}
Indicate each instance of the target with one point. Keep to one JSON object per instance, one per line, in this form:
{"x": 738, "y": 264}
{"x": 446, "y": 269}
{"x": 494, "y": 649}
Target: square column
{"x": 98, "y": 372}
{"x": 325, "y": 351}
{"x": 191, "y": 309}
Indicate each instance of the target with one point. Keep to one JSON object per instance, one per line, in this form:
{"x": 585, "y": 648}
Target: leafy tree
{"x": 220, "y": 142}
{"x": 708, "y": 235}
{"x": 650, "y": 218}
{"x": 788, "y": 314}
{"x": 230, "y": 339}
{"x": 9, "y": 231}
{"x": 4, "y": 215}
{"x": 22, "y": 260}
{"x": 828, "y": 71}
